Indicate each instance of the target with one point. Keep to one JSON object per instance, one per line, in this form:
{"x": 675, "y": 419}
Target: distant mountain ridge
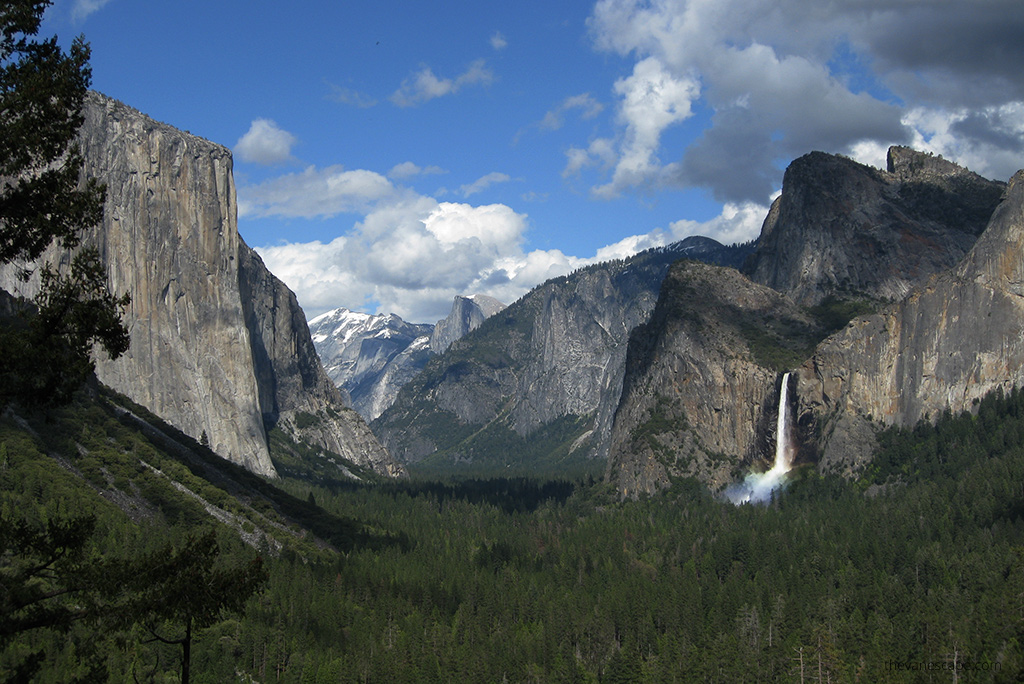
{"x": 372, "y": 356}
{"x": 536, "y": 385}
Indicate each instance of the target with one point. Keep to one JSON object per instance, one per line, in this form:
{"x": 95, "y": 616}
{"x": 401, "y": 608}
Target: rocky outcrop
{"x": 466, "y": 315}
{"x": 841, "y": 228}
{"x": 700, "y": 390}
{"x": 370, "y": 356}
{"x": 295, "y": 393}
{"x": 538, "y": 381}
{"x": 944, "y": 347}
{"x": 218, "y": 345}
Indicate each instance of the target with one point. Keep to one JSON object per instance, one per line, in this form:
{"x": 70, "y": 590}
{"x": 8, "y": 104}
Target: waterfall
{"x": 782, "y": 450}
{"x": 758, "y": 487}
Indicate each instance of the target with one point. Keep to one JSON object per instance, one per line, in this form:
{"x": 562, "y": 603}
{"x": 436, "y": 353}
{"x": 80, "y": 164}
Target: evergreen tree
{"x": 42, "y": 200}
{"x": 173, "y": 593}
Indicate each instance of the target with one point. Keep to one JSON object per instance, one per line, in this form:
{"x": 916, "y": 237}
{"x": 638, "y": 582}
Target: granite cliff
{"x": 219, "y": 347}
{"x": 701, "y": 382}
{"x": 535, "y": 386}
{"x": 466, "y": 315}
{"x": 943, "y": 347}
{"x": 845, "y": 229}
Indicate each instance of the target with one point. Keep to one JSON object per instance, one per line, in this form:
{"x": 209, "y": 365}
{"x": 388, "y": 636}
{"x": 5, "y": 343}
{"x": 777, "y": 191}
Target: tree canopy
{"x": 44, "y": 199}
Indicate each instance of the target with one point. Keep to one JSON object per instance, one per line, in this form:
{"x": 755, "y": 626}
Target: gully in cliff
{"x": 758, "y": 487}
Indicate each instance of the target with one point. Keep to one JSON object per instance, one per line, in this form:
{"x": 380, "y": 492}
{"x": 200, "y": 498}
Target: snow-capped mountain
{"x": 370, "y": 356}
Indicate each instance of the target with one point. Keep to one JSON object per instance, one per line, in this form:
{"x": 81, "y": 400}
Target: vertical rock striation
{"x": 466, "y": 315}
{"x": 370, "y": 356}
{"x": 946, "y": 345}
{"x": 217, "y": 343}
{"x": 699, "y": 387}
{"x": 541, "y": 379}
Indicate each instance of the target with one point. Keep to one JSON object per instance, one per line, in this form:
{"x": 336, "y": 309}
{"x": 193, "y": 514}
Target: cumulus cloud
{"x": 411, "y": 256}
{"x": 265, "y": 143}
{"x": 315, "y": 192}
{"x": 484, "y": 182}
{"x": 424, "y": 85}
{"x": 498, "y": 41}
{"x": 652, "y": 100}
{"x": 780, "y": 79}
{"x": 989, "y": 141}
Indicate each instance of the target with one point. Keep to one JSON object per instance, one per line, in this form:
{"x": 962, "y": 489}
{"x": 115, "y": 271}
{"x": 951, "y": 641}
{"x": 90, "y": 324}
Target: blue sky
{"x": 390, "y": 155}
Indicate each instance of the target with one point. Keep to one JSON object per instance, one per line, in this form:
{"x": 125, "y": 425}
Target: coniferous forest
{"x": 911, "y": 573}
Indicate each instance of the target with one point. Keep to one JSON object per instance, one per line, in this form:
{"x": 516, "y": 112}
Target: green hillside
{"x": 918, "y": 566}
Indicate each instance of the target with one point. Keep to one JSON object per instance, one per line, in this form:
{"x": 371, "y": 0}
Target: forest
{"x": 912, "y": 573}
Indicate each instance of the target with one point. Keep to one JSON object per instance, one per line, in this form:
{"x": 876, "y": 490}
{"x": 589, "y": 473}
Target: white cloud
{"x": 736, "y": 223}
{"x": 780, "y": 79}
{"x": 424, "y": 85}
{"x": 498, "y": 41}
{"x": 484, "y": 182}
{"x": 315, "y": 192}
{"x": 265, "y": 143}
{"x": 652, "y": 100}
{"x": 83, "y": 8}
{"x": 989, "y": 141}
{"x": 599, "y": 153}
{"x": 411, "y": 256}
{"x": 407, "y": 170}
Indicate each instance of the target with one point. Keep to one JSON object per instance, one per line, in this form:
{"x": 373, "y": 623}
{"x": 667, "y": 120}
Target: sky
{"x": 391, "y": 155}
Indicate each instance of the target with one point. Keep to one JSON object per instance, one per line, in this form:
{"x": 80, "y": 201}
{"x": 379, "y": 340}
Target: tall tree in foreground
{"x": 174, "y": 593}
{"x": 44, "y": 358}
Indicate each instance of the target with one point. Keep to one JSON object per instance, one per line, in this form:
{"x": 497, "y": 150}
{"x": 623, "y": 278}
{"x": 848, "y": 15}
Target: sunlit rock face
{"x": 698, "y": 399}
{"x": 944, "y": 346}
{"x": 371, "y": 357}
{"x": 219, "y": 347}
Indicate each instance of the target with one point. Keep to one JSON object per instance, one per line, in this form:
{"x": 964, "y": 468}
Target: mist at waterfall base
{"x": 758, "y": 487}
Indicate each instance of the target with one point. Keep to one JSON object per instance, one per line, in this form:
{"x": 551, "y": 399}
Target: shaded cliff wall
{"x": 699, "y": 396}
{"x": 295, "y": 392}
{"x": 846, "y": 229}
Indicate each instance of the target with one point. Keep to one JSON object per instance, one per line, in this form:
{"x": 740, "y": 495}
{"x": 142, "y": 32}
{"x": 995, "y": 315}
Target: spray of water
{"x": 758, "y": 487}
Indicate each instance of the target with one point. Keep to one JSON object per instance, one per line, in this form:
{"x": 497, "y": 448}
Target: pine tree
{"x": 43, "y": 200}
{"x": 174, "y": 593}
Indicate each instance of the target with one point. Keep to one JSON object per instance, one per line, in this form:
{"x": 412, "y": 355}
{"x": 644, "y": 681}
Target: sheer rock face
{"x": 466, "y": 315}
{"x": 558, "y": 352}
{"x": 292, "y": 382}
{"x": 695, "y": 401}
{"x": 949, "y": 343}
{"x": 203, "y": 356}
{"x": 842, "y": 228}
